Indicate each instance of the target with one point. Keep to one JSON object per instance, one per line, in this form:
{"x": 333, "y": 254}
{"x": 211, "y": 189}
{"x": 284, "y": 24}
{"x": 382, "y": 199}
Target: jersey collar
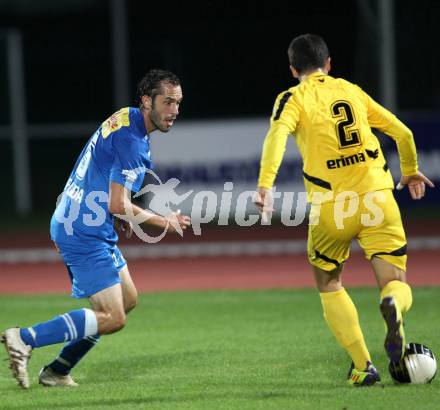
{"x": 317, "y": 73}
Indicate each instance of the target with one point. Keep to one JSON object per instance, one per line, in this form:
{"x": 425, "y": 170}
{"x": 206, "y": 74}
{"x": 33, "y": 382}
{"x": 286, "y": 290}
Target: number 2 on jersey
{"x": 347, "y": 135}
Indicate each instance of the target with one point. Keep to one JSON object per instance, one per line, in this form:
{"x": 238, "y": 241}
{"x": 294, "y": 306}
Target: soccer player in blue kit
{"x": 110, "y": 167}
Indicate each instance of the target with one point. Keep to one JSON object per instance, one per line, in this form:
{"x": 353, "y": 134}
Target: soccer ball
{"x": 418, "y": 365}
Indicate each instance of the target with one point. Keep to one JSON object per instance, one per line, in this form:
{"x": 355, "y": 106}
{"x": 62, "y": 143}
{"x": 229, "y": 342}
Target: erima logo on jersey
{"x": 345, "y": 161}
{"x": 130, "y": 175}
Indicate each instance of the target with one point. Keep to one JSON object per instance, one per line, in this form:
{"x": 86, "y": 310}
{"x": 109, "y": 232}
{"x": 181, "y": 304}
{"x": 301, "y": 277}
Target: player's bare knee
{"x": 328, "y": 281}
{"x": 113, "y": 322}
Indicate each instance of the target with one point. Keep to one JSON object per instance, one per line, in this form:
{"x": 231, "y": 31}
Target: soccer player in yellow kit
{"x": 349, "y": 187}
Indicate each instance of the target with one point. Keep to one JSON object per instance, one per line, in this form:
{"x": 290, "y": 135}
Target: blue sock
{"x": 72, "y": 353}
{"x": 70, "y": 326}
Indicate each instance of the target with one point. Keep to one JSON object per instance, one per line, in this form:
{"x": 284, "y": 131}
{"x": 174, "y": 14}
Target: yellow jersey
{"x": 331, "y": 120}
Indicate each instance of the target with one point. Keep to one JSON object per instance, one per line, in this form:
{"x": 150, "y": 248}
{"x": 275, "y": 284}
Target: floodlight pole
{"x": 118, "y": 13}
{"x": 19, "y": 132}
{"x": 387, "y": 54}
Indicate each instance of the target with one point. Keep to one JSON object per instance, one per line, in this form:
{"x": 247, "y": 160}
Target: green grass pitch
{"x": 266, "y": 349}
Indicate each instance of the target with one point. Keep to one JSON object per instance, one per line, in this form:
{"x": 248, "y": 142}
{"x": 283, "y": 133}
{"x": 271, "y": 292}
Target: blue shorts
{"x": 94, "y": 270}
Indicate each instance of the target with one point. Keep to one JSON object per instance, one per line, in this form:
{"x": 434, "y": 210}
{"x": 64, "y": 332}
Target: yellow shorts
{"x": 372, "y": 218}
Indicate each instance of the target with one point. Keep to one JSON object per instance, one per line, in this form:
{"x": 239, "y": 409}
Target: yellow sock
{"x": 401, "y": 292}
{"x": 342, "y": 318}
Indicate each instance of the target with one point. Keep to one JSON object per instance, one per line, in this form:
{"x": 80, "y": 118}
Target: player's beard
{"x": 156, "y": 120}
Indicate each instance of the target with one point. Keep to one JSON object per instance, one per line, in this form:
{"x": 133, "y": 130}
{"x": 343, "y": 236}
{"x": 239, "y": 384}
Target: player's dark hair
{"x": 152, "y": 82}
{"x": 307, "y": 52}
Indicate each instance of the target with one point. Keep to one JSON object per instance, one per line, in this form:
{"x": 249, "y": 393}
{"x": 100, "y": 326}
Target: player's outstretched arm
{"x": 416, "y": 184}
{"x": 121, "y": 206}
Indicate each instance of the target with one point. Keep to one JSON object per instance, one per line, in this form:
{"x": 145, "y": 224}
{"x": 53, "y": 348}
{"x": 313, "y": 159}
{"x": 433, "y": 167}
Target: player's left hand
{"x": 177, "y": 222}
{"x": 416, "y": 184}
{"x": 124, "y": 226}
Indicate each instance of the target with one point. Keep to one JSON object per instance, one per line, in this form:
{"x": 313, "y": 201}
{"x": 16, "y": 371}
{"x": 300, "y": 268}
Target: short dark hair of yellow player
{"x": 307, "y": 52}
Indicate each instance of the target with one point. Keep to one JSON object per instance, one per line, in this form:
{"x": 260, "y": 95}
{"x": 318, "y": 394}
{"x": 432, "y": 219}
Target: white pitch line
{"x": 207, "y": 249}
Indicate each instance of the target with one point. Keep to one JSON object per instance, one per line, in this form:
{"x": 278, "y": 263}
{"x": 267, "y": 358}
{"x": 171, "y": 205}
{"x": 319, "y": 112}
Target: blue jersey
{"x": 119, "y": 151}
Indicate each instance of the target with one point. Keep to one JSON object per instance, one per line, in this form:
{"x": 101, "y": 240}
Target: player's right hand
{"x": 263, "y": 200}
{"x": 416, "y": 184}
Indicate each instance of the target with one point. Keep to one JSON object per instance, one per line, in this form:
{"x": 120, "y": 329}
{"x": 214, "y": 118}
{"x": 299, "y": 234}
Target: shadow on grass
{"x": 131, "y": 366}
